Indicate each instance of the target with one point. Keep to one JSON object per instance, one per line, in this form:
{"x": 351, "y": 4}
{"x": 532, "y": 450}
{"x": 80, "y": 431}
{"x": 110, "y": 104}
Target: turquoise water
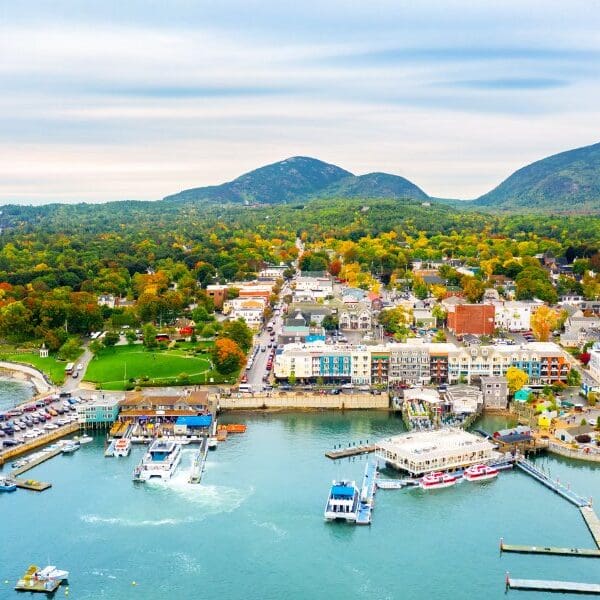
{"x": 254, "y": 528}
{"x": 13, "y": 392}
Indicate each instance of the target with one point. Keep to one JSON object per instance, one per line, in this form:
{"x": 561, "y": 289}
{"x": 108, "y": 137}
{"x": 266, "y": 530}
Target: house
{"x": 107, "y": 300}
{"x": 523, "y": 395}
{"x": 354, "y": 316}
{"x": 579, "y": 329}
{"x": 250, "y": 309}
{"x": 423, "y": 318}
{"x": 471, "y": 318}
{"x": 272, "y": 272}
{"x": 594, "y": 364}
{"x": 514, "y": 315}
{"x": 495, "y": 391}
{"x": 218, "y": 294}
{"x": 571, "y": 435}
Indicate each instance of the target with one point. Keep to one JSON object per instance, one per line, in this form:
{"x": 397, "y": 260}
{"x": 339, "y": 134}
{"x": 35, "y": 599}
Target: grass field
{"x": 114, "y": 368}
{"x": 52, "y": 368}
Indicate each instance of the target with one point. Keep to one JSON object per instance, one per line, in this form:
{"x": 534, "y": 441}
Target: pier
{"x": 560, "y": 587}
{"x": 554, "y": 485}
{"x": 350, "y": 451}
{"x": 199, "y": 462}
{"x": 367, "y": 494}
{"x": 584, "y": 552}
{"x": 592, "y": 521}
{"x": 43, "y": 457}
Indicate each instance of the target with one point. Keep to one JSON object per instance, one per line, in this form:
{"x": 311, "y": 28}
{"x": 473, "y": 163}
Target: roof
{"x": 199, "y": 421}
{"x": 343, "y": 491}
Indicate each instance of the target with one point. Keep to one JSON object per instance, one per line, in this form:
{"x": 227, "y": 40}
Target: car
{"x": 29, "y": 408}
{"x": 50, "y": 426}
{"x": 35, "y": 420}
{"x": 15, "y": 412}
{"x": 348, "y": 386}
{"x": 7, "y": 443}
{"x": 79, "y": 367}
{"x": 2, "y": 434}
{"x": 16, "y": 427}
{"x": 335, "y": 391}
{"x": 75, "y": 375}
{"x": 263, "y": 348}
{"x": 29, "y": 435}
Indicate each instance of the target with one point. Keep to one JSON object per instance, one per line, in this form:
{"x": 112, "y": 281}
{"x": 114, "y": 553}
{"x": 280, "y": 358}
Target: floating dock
{"x": 592, "y": 521}
{"x": 554, "y": 485}
{"x": 584, "y": 552}
{"x": 559, "y": 587}
{"x": 350, "y": 451}
{"x": 110, "y": 450}
{"x": 43, "y": 457}
{"x": 367, "y": 494}
{"x": 199, "y": 462}
{"x": 31, "y": 484}
{"x": 32, "y": 582}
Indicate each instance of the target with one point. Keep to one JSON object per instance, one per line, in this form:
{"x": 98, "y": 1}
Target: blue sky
{"x": 113, "y": 100}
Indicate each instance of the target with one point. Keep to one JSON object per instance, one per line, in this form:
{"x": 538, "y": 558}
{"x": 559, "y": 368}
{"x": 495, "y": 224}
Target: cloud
{"x": 107, "y": 100}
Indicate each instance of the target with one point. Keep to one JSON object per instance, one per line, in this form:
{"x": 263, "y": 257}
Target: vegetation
{"x": 516, "y": 379}
{"x": 53, "y": 368}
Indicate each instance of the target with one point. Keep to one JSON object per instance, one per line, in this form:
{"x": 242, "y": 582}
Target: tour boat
{"x": 438, "y": 480}
{"x": 7, "y": 486}
{"x": 212, "y": 443}
{"x": 343, "y": 502}
{"x": 159, "y": 462}
{"x": 480, "y": 473}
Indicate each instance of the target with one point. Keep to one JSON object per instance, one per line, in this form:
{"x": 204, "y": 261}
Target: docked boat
{"x": 122, "y": 447}
{"x": 159, "y": 462}
{"x": 212, "y": 443}
{"x": 70, "y": 447}
{"x": 343, "y": 502}
{"x": 6, "y": 485}
{"x": 438, "y": 480}
{"x": 480, "y": 473}
{"x": 85, "y": 439}
{"x": 390, "y": 484}
{"x": 46, "y": 580}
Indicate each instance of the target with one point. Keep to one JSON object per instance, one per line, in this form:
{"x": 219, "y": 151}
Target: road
{"x": 71, "y": 384}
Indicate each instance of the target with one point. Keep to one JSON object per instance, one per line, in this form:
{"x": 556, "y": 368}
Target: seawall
{"x": 304, "y": 401}
{"x": 36, "y": 377}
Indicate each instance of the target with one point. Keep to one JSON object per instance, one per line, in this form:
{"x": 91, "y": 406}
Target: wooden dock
{"x": 549, "y": 586}
{"x": 47, "y": 455}
{"x": 583, "y": 552}
{"x": 592, "y": 521}
{"x": 31, "y": 484}
{"x": 350, "y": 451}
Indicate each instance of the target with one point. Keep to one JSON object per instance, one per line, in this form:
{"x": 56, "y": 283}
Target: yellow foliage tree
{"x": 543, "y": 321}
{"x": 516, "y": 379}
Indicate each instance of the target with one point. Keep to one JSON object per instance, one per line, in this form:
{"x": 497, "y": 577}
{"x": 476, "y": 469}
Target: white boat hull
{"x": 438, "y": 486}
{"x": 162, "y": 473}
{"x": 476, "y": 478}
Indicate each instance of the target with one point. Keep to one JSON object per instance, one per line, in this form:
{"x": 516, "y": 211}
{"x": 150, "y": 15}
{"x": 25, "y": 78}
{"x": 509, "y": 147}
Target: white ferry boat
{"x": 480, "y": 473}
{"x": 438, "y": 480}
{"x": 159, "y": 462}
{"x": 343, "y": 502}
{"x": 122, "y": 447}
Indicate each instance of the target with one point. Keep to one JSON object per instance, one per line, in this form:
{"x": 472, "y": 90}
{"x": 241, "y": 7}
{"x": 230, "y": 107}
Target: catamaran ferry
{"x": 159, "y": 462}
{"x": 343, "y": 502}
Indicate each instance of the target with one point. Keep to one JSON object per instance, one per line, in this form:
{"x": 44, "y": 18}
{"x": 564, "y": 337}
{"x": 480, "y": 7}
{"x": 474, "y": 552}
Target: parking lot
{"x": 36, "y": 418}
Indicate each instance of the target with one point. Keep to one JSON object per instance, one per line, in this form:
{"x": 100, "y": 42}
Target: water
{"x": 13, "y": 392}
{"x": 254, "y": 528}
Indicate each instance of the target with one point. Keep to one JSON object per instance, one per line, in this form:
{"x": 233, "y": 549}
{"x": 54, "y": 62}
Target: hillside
{"x": 301, "y": 178}
{"x": 565, "y": 182}
{"x": 373, "y": 185}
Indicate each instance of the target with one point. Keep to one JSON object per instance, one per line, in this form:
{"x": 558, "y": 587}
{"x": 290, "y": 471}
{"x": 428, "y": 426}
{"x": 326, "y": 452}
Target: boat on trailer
{"x": 480, "y": 473}
{"x": 438, "y": 480}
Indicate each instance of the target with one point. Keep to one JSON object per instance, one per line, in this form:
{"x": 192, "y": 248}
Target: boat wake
{"x": 127, "y": 522}
{"x": 278, "y": 531}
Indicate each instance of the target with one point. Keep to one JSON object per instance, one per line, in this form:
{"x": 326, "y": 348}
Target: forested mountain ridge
{"x": 565, "y": 182}
{"x": 300, "y": 178}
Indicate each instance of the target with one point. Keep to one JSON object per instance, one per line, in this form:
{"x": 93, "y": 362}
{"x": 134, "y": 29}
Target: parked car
{"x": 7, "y": 443}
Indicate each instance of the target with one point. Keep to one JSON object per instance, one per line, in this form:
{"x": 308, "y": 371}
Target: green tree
{"x": 110, "y": 339}
{"x": 574, "y": 377}
{"x": 130, "y": 336}
{"x": 70, "y": 350}
{"x": 239, "y": 332}
{"x": 149, "y": 334}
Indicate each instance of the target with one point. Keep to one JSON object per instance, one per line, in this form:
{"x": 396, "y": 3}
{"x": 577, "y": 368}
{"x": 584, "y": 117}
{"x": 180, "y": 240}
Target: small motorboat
{"x": 480, "y": 473}
{"x": 212, "y": 443}
{"x": 70, "y": 447}
{"x": 438, "y": 480}
{"x": 6, "y": 485}
{"x": 390, "y": 484}
{"x": 85, "y": 439}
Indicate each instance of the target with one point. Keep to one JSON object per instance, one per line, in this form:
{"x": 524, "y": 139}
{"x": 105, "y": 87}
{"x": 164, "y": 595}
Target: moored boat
{"x": 46, "y": 580}
{"x": 343, "y": 502}
{"x": 212, "y": 443}
{"x": 438, "y": 480}
{"x": 122, "y": 447}
{"x": 70, "y": 447}
{"x": 390, "y": 484}
{"x": 6, "y": 485}
{"x": 85, "y": 439}
{"x": 159, "y": 462}
{"x": 480, "y": 473}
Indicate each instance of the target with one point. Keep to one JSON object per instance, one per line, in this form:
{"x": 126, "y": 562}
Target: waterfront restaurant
{"x": 143, "y": 408}
{"x": 440, "y": 450}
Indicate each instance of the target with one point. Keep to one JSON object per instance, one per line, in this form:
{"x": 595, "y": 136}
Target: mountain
{"x": 301, "y": 178}
{"x": 565, "y": 182}
{"x": 284, "y": 181}
{"x": 373, "y": 185}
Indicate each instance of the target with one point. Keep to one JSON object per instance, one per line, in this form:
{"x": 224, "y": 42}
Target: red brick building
{"x": 471, "y": 318}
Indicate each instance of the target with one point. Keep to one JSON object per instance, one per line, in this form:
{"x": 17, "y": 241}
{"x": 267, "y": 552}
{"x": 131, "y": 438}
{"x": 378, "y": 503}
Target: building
{"x": 471, "y": 318}
{"x": 439, "y": 450}
{"x": 218, "y": 294}
{"x": 409, "y": 363}
{"x": 272, "y": 272}
{"x": 594, "y": 364}
{"x": 107, "y": 300}
{"x": 423, "y": 318}
{"x": 192, "y": 425}
{"x": 98, "y": 412}
{"x": 464, "y": 399}
{"x": 252, "y": 310}
{"x": 581, "y": 433}
{"x": 514, "y": 315}
{"x": 495, "y": 391}
{"x": 140, "y": 407}
{"x": 315, "y": 286}
{"x": 354, "y": 316}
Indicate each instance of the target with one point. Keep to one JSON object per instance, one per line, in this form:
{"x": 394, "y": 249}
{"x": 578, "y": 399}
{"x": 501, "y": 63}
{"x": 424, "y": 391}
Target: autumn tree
{"x": 473, "y": 288}
{"x": 516, "y": 379}
{"x": 227, "y": 355}
{"x": 543, "y": 321}
{"x": 239, "y": 332}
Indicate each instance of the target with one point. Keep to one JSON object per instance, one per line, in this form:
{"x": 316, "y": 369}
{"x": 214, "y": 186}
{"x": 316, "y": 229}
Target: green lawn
{"x": 114, "y": 368}
{"x": 54, "y": 369}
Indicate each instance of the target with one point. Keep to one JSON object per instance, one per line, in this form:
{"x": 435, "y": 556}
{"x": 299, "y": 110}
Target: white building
{"x": 440, "y": 450}
{"x": 273, "y": 272}
{"x": 594, "y": 364}
{"x": 250, "y": 309}
{"x": 514, "y": 315}
{"x": 317, "y": 287}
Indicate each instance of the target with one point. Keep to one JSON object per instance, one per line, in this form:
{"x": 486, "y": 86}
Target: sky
{"x": 113, "y": 100}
